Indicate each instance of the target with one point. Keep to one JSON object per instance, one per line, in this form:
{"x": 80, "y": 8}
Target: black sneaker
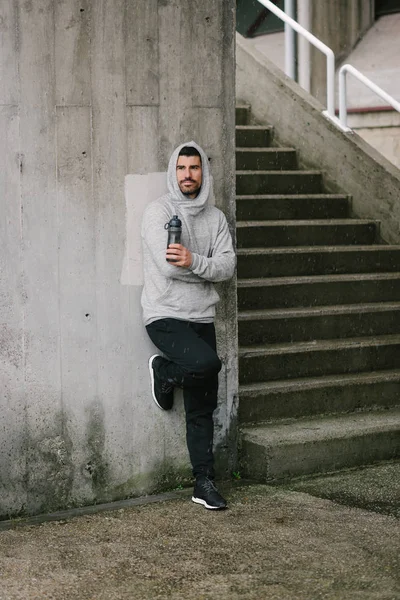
{"x": 163, "y": 391}
{"x": 206, "y": 493}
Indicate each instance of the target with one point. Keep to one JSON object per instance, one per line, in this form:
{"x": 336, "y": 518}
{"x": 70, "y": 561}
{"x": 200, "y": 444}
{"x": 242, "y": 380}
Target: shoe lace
{"x": 166, "y": 387}
{"x": 208, "y": 485}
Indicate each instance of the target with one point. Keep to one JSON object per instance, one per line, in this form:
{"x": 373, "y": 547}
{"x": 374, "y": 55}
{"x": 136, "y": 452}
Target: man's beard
{"x": 190, "y": 192}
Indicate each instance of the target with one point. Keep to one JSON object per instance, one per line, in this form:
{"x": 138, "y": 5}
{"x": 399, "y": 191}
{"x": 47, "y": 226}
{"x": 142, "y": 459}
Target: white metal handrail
{"x": 372, "y": 86}
{"x": 330, "y": 57}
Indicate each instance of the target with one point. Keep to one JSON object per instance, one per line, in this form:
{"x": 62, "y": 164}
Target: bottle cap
{"x": 174, "y": 222}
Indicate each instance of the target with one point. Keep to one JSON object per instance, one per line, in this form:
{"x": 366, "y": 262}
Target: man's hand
{"x": 181, "y": 256}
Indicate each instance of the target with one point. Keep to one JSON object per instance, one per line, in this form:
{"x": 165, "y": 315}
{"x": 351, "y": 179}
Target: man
{"x": 179, "y": 301}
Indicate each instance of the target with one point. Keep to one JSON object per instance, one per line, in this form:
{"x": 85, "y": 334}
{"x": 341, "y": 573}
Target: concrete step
{"x": 318, "y": 323}
{"x": 274, "y": 207}
{"x": 253, "y": 136}
{"x": 278, "y": 182}
{"x": 282, "y": 451}
{"x": 316, "y": 260}
{"x": 320, "y": 290}
{"x": 318, "y": 358}
{"x": 266, "y": 159}
{"x": 242, "y": 114}
{"x": 294, "y": 398}
{"x": 328, "y": 232}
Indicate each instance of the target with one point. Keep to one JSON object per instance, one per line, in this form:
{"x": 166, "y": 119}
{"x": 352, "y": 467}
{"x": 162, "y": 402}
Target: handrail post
{"x": 304, "y": 53}
{"x": 290, "y": 68}
{"x": 343, "y": 98}
{"x": 330, "y": 83}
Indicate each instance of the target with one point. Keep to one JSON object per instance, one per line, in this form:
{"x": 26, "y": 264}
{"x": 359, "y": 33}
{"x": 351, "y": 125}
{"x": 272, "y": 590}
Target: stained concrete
{"x": 271, "y": 543}
{"x": 93, "y": 92}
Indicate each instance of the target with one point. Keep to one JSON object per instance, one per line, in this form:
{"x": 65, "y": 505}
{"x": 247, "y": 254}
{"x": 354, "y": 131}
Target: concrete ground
{"x": 273, "y": 542}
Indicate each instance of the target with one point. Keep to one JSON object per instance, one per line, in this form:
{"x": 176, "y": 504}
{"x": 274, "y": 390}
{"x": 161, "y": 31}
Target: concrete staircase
{"x": 319, "y": 320}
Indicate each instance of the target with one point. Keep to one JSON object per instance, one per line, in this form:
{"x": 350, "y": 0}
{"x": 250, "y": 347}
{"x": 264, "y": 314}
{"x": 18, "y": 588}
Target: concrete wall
{"x": 339, "y": 24}
{"x": 91, "y": 92}
{"x": 348, "y": 163}
{"x": 381, "y": 130}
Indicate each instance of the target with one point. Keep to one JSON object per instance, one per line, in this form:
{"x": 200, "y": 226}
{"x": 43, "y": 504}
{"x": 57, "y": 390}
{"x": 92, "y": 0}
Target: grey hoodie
{"x": 178, "y": 292}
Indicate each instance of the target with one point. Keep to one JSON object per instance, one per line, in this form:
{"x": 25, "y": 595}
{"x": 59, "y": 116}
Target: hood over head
{"x": 195, "y": 205}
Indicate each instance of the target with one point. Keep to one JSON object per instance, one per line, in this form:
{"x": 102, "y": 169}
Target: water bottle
{"x": 174, "y": 228}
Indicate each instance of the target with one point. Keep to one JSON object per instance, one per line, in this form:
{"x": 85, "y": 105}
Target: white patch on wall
{"x": 140, "y": 190}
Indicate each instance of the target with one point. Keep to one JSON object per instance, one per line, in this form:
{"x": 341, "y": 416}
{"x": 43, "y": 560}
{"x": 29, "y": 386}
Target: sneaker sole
{"x": 204, "y": 503}
{"x": 152, "y": 380}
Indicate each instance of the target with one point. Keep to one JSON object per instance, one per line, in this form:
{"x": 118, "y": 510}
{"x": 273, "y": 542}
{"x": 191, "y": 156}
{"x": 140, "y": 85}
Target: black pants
{"x": 192, "y": 363}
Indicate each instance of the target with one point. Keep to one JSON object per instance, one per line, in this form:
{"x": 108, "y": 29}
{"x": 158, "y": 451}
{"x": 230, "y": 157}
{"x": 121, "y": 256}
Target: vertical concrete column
{"x": 12, "y": 396}
{"x": 93, "y": 91}
{"x": 47, "y": 474}
{"x": 77, "y": 209}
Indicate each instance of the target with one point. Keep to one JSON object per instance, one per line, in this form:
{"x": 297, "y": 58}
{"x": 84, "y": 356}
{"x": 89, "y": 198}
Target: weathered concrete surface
{"x": 271, "y": 543}
{"x": 348, "y": 163}
{"x": 91, "y": 92}
{"x": 381, "y": 130}
{"x": 376, "y": 488}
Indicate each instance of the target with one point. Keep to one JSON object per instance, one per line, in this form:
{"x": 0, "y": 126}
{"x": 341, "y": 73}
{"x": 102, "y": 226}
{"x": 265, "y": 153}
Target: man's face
{"x": 189, "y": 175}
